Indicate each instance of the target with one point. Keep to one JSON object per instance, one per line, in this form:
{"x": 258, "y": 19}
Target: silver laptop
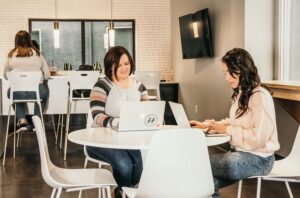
{"x": 145, "y": 115}
{"x": 182, "y": 120}
{"x": 180, "y": 115}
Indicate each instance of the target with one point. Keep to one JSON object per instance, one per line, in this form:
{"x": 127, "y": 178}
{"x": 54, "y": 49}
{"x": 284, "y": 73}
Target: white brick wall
{"x": 153, "y": 31}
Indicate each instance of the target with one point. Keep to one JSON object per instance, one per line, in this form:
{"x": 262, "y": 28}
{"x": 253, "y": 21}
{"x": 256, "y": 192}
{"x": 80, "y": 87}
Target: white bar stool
{"x": 79, "y": 80}
{"x": 21, "y": 81}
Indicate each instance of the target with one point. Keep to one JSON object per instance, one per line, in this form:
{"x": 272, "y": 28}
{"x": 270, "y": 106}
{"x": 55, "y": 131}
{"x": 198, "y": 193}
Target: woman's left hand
{"x": 217, "y": 128}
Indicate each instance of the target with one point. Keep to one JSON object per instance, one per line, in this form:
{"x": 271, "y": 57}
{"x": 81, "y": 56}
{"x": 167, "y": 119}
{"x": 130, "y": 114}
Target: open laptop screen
{"x": 180, "y": 115}
{"x": 141, "y": 115}
{"x": 182, "y": 120}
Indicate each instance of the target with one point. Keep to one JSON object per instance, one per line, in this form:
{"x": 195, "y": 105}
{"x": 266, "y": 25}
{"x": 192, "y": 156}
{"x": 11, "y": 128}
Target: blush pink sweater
{"x": 256, "y": 130}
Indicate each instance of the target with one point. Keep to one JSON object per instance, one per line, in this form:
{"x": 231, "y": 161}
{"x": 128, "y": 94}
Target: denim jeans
{"x": 44, "y": 93}
{"x": 127, "y": 165}
{"x": 230, "y": 167}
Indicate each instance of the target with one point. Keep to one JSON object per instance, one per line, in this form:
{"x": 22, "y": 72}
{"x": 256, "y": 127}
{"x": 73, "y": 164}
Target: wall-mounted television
{"x": 195, "y": 32}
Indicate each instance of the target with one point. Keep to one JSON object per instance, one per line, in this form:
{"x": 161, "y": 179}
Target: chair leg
{"x": 54, "y": 130}
{"x": 6, "y": 136}
{"x": 57, "y": 129}
{"x": 108, "y": 192}
{"x": 19, "y": 139}
{"x": 67, "y": 129}
{"x": 15, "y": 125}
{"x": 123, "y": 194}
{"x": 101, "y": 193}
{"x": 41, "y": 113}
{"x": 53, "y": 192}
{"x": 84, "y": 166}
{"x": 289, "y": 189}
{"x": 61, "y": 131}
{"x": 58, "y": 193}
{"x": 80, "y": 193}
{"x": 240, "y": 189}
{"x": 258, "y": 187}
{"x": 85, "y": 163}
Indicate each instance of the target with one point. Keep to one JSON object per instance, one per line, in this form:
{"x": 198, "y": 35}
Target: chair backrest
{"x": 177, "y": 165}
{"x": 150, "y": 78}
{"x": 89, "y": 124}
{"x": 295, "y": 153}
{"x": 89, "y": 119}
{"x": 24, "y": 81}
{"x": 46, "y": 164}
{"x": 83, "y": 79}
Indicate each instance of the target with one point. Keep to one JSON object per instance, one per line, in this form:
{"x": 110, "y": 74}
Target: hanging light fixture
{"x": 109, "y": 35}
{"x": 111, "y": 30}
{"x": 56, "y": 29}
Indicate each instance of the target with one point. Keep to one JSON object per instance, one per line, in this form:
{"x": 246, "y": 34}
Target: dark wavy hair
{"x": 23, "y": 45}
{"x": 112, "y": 57}
{"x": 240, "y": 62}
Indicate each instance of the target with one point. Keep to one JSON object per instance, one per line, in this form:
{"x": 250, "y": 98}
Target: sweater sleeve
{"x": 225, "y": 121}
{"x": 6, "y": 69}
{"x": 261, "y": 124}
{"x": 97, "y": 104}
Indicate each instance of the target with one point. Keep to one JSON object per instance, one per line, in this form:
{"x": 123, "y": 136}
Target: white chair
{"x": 177, "y": 166}
{"x": 285, "y": 170}
{"x": 151, "y": 80}
{"x": 100, "y": 163}
{"x": 69, "y": 179}
{"x": 79, "y": 80}
{"x": 89, "y": 123}
{"x": 57, "y": 102}
{"x": 21, "y": 81}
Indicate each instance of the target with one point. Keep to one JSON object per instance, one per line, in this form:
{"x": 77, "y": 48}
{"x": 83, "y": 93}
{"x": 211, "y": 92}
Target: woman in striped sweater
{"x": 105, "y": 102}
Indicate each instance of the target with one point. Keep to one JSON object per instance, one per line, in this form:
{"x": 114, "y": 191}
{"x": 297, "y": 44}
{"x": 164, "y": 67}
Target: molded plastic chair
{"x": 84, "y": 80}
{"x": 69, "y": 179}
{"x": 100, "y": 163}
{"x": 89, "y": 123}
{"x": 285, "y": 170}
{"x": 151, "y": 80}
{"x": 177, "y": 166}
{"x": 21, "y": 81}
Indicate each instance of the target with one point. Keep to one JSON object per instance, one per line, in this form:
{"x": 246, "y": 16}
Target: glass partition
{"x": 81, "y": 41}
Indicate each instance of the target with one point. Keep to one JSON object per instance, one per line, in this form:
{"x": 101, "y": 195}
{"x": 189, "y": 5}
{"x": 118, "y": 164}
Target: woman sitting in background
{"x": 251, "y": 124}
{"x": 106, "y": 98}
{"x": 25, "y": 57}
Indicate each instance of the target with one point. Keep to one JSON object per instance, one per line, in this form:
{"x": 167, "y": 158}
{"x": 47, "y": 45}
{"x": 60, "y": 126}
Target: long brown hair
{"x": 23, "y": 45}
{"x": 240, "y": 62}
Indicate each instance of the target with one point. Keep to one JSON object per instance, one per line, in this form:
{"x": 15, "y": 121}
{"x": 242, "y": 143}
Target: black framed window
{"x": 81, "y": 41}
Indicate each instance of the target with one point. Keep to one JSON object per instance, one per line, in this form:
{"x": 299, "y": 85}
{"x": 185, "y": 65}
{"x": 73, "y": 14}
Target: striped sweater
{"x": 106, "y": 97}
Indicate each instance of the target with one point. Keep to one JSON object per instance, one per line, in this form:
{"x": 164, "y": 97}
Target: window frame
{"x": 83, "y": 57}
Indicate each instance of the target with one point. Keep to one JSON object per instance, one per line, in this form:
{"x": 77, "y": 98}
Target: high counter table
{"x": 139, "y": 140}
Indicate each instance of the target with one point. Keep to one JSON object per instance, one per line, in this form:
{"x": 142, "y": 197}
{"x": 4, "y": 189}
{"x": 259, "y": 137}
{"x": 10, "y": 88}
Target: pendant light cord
{"x": 55, "y": 7}
{"x": 111, "y": 25}
{"x": 111, "y": 10}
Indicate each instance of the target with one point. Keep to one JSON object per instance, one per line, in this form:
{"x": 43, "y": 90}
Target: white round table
{"x": 109, "y": 138}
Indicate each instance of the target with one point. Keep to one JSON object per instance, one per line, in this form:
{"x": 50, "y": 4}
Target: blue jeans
{"x": 44, "y": 93}
{"x": 127, "y": 165}
{"x": 230, "y": 167}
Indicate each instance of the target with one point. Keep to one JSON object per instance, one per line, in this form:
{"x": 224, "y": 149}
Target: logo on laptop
{"x": 151, "y": 120}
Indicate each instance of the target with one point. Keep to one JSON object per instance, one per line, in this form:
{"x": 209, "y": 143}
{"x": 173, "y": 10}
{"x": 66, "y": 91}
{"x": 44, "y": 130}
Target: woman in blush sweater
{"x": 251, "y": 124}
